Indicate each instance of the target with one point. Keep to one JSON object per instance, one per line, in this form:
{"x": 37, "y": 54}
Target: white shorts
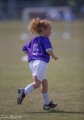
{"x": 38, "y": 67}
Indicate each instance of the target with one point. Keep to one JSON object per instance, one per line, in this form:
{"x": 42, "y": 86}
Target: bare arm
{"x": 26, "y": 52}
{"x": 51, "y": 53}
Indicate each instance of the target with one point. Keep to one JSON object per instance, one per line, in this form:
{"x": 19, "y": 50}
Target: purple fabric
{"x": 37, "y": 48}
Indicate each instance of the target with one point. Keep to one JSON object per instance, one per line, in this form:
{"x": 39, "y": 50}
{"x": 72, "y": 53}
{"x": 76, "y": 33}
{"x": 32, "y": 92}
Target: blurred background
{"x": 12, "y": 9}
{"x": 55, "y": 10}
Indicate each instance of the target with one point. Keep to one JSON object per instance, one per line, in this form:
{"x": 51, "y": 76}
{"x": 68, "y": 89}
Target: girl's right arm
{"x": 51, "y": 53}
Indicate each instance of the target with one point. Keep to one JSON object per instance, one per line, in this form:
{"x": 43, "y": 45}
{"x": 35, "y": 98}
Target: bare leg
{"x": 28, "y": 89}
{"x": 44, "y": 90}
{"x": 34, "y": 85}
{"x": 44, "y": 86}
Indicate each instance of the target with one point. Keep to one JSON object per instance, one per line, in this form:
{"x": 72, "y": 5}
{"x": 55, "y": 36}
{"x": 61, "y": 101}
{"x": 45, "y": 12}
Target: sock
{"x": 46, "y": 99}
{"x": 29, "y": 88}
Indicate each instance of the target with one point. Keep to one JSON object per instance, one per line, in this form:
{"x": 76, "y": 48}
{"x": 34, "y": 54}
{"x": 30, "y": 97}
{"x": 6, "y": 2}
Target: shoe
{"x": 21, "y": 95}
{"x": 49, "y": 106}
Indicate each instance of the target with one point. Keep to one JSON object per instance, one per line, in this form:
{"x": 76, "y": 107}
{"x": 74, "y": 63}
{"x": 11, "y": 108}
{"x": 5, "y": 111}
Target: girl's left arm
{"x": 26, "y": 52}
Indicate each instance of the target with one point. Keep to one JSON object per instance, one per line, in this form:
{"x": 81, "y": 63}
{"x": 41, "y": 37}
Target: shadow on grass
{"x": 55, "y": 111}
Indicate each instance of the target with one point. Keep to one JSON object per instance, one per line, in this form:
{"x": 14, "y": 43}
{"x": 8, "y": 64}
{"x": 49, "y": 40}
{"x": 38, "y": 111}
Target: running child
{"x": 39, "y": 51}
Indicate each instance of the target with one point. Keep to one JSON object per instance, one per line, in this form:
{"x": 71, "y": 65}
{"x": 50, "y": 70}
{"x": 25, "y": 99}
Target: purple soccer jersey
{"x": 37, "y": 48}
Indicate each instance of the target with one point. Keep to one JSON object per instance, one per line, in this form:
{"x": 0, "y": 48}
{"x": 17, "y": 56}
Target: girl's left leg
{"x": 32, "y": 86}
{"x": 28, "y": 89}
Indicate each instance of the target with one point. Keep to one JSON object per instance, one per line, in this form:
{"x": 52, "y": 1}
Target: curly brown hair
{"x": 37, "y": 25}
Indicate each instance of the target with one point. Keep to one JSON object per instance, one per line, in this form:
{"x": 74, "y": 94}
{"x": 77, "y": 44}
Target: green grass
{"x": 65, "y": 76}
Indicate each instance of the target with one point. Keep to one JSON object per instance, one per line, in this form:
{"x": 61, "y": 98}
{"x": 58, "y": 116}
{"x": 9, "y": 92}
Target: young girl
{"x": 39, "y": 50}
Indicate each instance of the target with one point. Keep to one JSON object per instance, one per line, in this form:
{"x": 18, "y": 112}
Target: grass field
{"x": 65, "y": 76}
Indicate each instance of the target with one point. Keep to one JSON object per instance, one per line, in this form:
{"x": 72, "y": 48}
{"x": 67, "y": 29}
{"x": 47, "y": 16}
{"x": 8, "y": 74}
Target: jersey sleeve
{"x": 47, "y": 44}
{"x": 26, "y": 47}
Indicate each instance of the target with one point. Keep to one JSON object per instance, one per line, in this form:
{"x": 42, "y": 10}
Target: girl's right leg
{"x": 44, "y": 91}
{"x": 48, "y": 104}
